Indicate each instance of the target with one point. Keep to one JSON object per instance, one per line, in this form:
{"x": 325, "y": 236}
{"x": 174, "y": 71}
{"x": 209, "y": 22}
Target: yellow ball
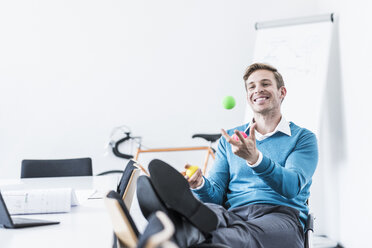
{"x": 191, "y": 170}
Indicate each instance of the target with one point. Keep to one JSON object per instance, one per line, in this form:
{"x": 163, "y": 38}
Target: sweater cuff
{"x": 259, "y": 160}
{"x": 201, "y": 186}
{"x": 263, "y": 166}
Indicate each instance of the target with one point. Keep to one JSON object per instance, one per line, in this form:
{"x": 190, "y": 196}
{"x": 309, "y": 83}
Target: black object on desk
{"x": 8, "y": 222}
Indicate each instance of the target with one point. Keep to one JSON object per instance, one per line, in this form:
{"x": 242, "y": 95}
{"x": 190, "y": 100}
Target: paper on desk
{"x": 98, "y": 194}
{"x": 82, "y": 195}
{"x": 39, "y": 201}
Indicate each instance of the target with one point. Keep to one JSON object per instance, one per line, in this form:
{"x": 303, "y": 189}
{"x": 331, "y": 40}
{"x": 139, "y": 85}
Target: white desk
{"x": 87, "y": 225}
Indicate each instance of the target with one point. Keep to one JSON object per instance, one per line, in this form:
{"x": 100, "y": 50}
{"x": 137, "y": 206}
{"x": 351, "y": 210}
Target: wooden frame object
{"x": 121, "y": 224}
{"x": 179, "y": 149}
{"x": 131, "y": 187}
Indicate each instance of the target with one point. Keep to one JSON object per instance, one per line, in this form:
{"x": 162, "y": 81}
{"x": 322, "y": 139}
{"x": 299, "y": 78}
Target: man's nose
{"x": 258, "y": 89}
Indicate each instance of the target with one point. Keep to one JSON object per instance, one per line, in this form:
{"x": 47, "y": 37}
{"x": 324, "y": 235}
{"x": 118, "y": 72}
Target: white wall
{"x": 70, "y": 71}
{"x": 349, "y": 120}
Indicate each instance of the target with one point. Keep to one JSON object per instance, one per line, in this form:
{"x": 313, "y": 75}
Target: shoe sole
{"x": 175, "y": 192}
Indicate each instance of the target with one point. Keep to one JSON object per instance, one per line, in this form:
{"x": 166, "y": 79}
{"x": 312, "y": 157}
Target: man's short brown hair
{"x": 261, "y": 66}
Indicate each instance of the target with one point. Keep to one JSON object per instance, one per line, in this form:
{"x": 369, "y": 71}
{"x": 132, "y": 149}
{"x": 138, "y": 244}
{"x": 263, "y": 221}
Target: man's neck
{"x": 267, "y": 123}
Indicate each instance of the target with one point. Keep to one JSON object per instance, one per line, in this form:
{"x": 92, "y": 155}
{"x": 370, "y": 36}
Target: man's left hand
{"x": 244, "y": 147}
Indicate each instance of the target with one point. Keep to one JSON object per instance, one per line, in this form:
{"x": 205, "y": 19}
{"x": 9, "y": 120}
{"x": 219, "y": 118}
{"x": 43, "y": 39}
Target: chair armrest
{"x": 310, "y": 222}
{"x": 309, "y": 231}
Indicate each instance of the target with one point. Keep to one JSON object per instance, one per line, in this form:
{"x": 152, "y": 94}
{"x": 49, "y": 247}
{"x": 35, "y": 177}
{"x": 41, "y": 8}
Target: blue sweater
{"x": 282, "y": 178}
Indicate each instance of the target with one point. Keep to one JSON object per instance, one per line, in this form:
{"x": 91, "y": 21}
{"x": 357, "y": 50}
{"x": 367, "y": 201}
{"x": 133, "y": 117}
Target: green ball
{"x": 228, "y": 102}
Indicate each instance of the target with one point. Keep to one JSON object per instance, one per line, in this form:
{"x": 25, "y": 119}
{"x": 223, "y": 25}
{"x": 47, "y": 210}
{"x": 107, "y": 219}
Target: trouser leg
{"x": 188, "y": 235}
{"x": 257, "y": 226}
{"x": 254, "y": 226}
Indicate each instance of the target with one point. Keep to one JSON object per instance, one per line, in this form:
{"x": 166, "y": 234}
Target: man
{"x": 261, "y": 181}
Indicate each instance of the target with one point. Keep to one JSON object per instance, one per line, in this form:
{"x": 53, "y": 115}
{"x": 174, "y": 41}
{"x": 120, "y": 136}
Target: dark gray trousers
{"x": 256, "y": 226}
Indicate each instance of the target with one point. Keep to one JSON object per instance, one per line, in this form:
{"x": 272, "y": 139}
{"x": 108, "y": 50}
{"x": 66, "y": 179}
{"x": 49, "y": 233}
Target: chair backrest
{"x": 128, "y": 182}
{"x": 124, "y": 227}
{"x": 56, "y": 168}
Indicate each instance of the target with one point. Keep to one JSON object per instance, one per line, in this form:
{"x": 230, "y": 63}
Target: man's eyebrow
{"x": 262, "y": 80}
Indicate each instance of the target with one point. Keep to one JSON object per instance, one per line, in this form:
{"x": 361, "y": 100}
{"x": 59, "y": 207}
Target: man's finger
{"x": 196, "y": 179}
{"x": 252, "y": 133}
{"x": 229, "y": 138}
{"x": 196, "y": 175}
{"x": 239, "y": 135}
{"x": 224, "y": 134}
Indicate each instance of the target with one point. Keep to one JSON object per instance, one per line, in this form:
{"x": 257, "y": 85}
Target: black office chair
{"x": 56, "y": 168}
{"x": 126, "y": 186}
{"x": 128, "y": 182}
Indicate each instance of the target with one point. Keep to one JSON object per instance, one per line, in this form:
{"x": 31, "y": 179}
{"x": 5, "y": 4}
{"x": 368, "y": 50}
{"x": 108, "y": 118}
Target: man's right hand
{"x": 244, "y": 147}
{"x": 196, "y": 179}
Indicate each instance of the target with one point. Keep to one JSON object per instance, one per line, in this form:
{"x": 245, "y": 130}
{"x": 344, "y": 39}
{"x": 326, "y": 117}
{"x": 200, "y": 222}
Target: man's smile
{"x": 260, "y": 99}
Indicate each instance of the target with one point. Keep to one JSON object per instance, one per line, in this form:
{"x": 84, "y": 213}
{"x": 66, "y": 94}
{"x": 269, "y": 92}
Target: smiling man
{"x": 259, "y": 185}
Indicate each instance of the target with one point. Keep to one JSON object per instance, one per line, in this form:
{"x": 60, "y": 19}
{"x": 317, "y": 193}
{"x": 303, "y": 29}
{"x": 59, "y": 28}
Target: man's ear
{"x": 283, "y": 92}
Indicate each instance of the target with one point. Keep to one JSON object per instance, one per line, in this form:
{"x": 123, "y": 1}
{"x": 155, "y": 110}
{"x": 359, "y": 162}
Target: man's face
{"x": 263, "y": 94}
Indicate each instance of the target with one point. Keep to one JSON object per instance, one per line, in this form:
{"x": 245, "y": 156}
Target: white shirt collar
{"x": 283, "y": 126}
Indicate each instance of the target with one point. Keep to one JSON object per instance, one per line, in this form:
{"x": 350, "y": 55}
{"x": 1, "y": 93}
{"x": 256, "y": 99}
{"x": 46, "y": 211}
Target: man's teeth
{"x": 261, "y": 99}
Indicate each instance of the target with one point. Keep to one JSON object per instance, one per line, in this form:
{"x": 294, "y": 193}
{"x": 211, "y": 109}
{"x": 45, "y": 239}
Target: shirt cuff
{"x": 201, "y": 186}
{"x": 259, "y": 160}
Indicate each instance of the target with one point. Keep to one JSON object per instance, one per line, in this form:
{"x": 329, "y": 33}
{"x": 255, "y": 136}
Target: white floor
{"x": 323, "y": 242}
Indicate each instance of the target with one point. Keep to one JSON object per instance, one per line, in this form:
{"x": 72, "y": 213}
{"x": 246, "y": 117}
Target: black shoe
{"x": 148, "y": 200}
{"x": 174, "y": 190}
{"x": 150, "y": 203}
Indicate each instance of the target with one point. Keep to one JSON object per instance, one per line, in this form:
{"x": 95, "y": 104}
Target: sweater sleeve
{"x": 216, "y": 184}
{"x": 288, "y": 180}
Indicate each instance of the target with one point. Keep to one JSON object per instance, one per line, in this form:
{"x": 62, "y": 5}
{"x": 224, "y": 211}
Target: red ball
{"x": 235, "y": 137}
